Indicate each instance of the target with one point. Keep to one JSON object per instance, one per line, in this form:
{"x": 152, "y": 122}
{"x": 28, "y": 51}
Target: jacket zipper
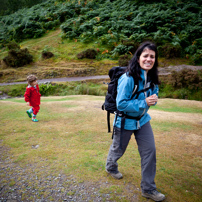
{"x": 145, "y": 93}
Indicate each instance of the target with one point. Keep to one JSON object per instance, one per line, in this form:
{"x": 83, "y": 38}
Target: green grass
{"x": 178, "y": 109}
{"x": 73, "y": 139}
{"x": 168, "y": 126}
{"x": 179, "y": 106}
{"x": 63, "y": 88}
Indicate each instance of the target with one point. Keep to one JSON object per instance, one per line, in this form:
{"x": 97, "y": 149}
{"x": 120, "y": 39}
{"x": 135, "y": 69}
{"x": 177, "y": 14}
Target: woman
{"x": 141, "y": 68}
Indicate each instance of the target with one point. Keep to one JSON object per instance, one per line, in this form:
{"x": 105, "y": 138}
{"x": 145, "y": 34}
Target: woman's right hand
{"x": 152, "y": 100}
{"x": 27, "y": 103}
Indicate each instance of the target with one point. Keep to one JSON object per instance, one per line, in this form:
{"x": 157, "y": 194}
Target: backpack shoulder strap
{"x": 136, "y": 87}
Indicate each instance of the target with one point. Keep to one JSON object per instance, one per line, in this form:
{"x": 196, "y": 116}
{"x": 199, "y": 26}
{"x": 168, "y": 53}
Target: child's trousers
{"x": 35, "y": 109}
{"x": 146, "y": 146}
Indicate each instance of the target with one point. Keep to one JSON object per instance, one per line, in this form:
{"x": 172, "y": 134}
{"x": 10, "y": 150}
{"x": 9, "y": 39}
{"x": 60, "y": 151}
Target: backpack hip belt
{"x": 123, "y": 118}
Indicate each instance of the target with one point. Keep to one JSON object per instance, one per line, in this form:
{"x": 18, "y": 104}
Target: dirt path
{"x": 25, "y": 184}
{"x": 162, "y": 71}
{"x": 61, "y": 79}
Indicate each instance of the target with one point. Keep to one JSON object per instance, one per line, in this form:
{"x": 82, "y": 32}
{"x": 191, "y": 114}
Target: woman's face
{"x": 147, "y": 59}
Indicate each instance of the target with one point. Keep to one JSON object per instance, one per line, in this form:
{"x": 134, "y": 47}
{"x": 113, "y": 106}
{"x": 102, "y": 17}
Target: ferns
{"x": 172, "y": 23}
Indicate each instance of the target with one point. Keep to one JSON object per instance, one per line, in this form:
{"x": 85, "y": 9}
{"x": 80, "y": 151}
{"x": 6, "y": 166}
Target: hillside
{"x": 113, "y": 28}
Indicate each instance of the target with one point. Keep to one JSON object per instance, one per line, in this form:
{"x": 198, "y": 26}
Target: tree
{"x": 10, "y": 6}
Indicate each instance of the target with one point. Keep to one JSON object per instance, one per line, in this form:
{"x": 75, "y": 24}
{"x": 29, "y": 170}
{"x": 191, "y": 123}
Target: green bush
{"x": 18, "y": 57}
{"x": 124, "y": 60}
{"x": 186, "y": 78}
{"x": 185, "y": 84}
{"x": 89, "y": 53}
{"x": 132, "y": 45}
{"x": 170, "y": 51}
{"x": 14, "y": 90}
{"x": 47, "y": 89}
{"x": 120, "y": 50}
{"x": 47, "y": 54}
{"x": 197, "y": 57}
{"x": 13, "y": 45}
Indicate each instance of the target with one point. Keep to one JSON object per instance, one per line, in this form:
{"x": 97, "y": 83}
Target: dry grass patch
{"x": 72, "y": 138}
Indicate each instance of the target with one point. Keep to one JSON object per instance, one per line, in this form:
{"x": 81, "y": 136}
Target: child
{"x": 32, "y": 97}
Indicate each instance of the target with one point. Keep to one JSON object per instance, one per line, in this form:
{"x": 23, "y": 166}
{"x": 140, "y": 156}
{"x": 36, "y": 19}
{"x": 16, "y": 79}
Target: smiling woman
{"x": 147, "y": 59}
{"x": 132, "y": 117}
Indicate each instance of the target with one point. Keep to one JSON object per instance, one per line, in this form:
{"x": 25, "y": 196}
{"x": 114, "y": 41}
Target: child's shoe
{"x": 29, "y": 114}
{"x": 34, "y": 120}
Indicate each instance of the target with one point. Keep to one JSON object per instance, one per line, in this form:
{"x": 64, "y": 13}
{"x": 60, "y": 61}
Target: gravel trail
{"x": 40, "y": 184}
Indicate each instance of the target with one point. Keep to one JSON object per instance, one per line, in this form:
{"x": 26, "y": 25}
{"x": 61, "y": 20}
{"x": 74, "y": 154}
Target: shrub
{"x": 16, "y": 90}
{"x": 186, "y": 78}
{"x": 13, "y": 45}
{"x": 47, "y": 89}
{"x": 181, "y": 94}
{"x": 124, "y": 60}
{"x": 47, "y": 54}
{"x": 132, "y": 45}
{"x": 169, "y": 50}
{"x": 185, "y": 84}
{"x": 89, "y": 53}
{"x": 120, "y": 50}
{"x": 197, "y": 57}
{"x": 18, "y": 57}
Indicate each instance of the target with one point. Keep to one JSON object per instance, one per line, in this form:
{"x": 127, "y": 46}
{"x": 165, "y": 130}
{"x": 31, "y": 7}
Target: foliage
{"x": 170, "y": 51}
{"x": 185, "y": 84}
{"x": 47, "y": 54}
{"x": 13, "y": 45}
{"x": 89, "y": 53}
{"x": 124, "y": 60}
{"x": 10, "y": 6}
{"x": 47, "y": 89}
{"x": 17, "y": 57}
{"x": 187, "y": 78}
{"x": 175, "y": 26}
{"x": 14, "y": 91}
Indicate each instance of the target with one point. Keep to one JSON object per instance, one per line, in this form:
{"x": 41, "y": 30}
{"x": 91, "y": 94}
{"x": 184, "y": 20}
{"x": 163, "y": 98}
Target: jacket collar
{"x": 29, "y": 86}
{"x": 143, "y": 74}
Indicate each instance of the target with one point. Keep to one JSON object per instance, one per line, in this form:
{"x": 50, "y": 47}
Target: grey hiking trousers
{"x": 146, "y": 147}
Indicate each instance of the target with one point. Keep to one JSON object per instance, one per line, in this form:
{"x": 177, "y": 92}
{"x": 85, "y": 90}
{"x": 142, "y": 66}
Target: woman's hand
{"x": 27, "y": 103}
{"x": 151, "y": 100}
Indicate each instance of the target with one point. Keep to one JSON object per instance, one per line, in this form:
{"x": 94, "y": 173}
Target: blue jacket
{"x": 136, "y": 106}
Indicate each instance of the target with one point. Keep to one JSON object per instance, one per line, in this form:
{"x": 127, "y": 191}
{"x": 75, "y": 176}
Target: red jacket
{"x": 32, "y": 95}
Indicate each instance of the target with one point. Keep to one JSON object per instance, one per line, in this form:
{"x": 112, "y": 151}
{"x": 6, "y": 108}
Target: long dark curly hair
{"x": 134, "y": 68}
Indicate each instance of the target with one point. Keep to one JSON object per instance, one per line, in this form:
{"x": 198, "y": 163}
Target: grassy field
{"x": 71, "y": 138}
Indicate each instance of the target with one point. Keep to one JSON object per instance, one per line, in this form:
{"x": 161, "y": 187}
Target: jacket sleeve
{"x": 124, "y": 92}
{"x": 27, "y": 95}
{"x": 38, "y": 89}
{"x": 156, "y": 91}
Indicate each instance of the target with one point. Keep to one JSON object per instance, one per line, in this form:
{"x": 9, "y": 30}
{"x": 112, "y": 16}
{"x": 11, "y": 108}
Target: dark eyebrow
{"x": 148, "y": 54}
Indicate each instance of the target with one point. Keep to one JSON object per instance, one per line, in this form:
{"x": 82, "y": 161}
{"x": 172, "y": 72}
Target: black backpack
{"x": 110, "y": 100}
